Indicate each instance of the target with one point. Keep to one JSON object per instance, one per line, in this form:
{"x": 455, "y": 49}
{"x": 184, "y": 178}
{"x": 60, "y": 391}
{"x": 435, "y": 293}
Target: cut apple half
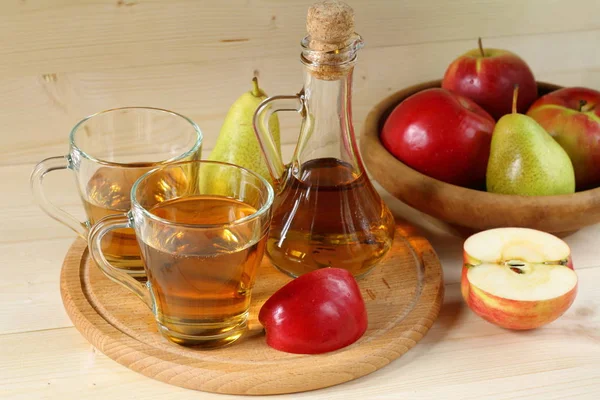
{"x": 518, "y": 278}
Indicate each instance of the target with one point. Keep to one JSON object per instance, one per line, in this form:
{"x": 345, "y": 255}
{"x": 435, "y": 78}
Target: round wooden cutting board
{"x": 403, "y": 295}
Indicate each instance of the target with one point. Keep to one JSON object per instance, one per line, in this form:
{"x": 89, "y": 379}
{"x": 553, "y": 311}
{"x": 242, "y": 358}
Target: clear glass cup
{"x": 202, "y": 227}
{"x": 108, "y": 152}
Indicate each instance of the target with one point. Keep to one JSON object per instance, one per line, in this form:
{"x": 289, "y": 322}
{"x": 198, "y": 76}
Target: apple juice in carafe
{"x": 324, "y": 218}
{"x": 326, "y": 213}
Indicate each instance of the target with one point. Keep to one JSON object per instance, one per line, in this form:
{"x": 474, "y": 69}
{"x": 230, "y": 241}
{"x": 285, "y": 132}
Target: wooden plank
{"x": 462, "y": 357}
{"x": 32, "y": 246}
{"x": 29, "y": 289}
{"x": 63, "y": 59}
{"x": 25, "y": 221}
{"x": 45, "y": 37}
{"x": 30, "y": 282}
{"x": 586, "y": 77}
{"x": 37, "y": 112}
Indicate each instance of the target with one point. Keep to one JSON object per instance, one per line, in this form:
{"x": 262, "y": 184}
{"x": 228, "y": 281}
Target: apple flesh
{"x": 488, "y": 77}
{"x": 518, "y": 278}
{"x": 442, "y": 135}
{"x": 572, "y": 117}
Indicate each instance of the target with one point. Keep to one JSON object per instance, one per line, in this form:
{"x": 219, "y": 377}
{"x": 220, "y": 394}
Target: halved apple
{"x": 518, "y": 278}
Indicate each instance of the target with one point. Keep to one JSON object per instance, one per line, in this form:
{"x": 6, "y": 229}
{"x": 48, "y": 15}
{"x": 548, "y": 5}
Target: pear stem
{"x": 515, "y": 96}
{"x": 582, "y": 104}
{"x": 255, "y": 88}
{"x": 480, "y": 47}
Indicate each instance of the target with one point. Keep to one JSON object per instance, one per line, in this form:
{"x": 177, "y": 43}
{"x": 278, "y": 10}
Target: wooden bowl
{"x": 470, "y": 210}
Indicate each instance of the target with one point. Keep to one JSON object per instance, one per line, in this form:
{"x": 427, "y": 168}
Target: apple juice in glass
{"x": 202, "y": 229}
{"x": 326, "y": 213}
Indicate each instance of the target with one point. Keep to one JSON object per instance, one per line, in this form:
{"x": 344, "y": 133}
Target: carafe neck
{"x": 327, "y": 129}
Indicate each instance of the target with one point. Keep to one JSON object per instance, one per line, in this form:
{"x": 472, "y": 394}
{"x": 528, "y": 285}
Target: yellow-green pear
{"x": 525, "y": 160}
{"x": 237, "y": 143}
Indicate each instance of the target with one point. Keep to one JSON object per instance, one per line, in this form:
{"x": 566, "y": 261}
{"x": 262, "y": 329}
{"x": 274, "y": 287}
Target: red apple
{"x": 318, "y": 312}
{"x": 518, "y": 278}
{"x": 488, "y": 77}
{"x": 442, "y": 135}
{"x": 572, "y": 117}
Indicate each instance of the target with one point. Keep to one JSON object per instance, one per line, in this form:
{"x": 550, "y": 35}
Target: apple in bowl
{"x": 488, "y": 77}
{"x": 518, "y": 278}
{"x": 442, "y": 135}
{"x": 572, "y": 117}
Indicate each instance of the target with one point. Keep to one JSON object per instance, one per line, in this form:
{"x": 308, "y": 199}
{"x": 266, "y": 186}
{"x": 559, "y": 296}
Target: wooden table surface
{"x": 62, "y": 60}
{"x": 42, "y": 356}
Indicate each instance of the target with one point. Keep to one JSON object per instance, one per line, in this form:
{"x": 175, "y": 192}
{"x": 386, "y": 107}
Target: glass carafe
{"x": 326, "y": 212}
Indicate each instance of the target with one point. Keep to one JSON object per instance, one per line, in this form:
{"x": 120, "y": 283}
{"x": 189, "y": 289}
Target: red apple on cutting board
{"x": 442, "y": 135}
{"x": 518, "y": 278}
{"x": 572, "y": 117}
{"x": 488, "y": 77}
{"x": 318, "y": 312}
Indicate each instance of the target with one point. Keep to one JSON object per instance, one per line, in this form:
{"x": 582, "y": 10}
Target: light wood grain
{"x": 29, "y": 291}
{"x": 32, "y": 247}
{"x": 45, "y": 37}
{"x": 204, "y": 91}
{"x": 63, "y": 59}
{"x": 462, "y": 357}
{"x": 403, "y": 296}
{"x": 60, "y": 187}
{"x": 28, "y": 234}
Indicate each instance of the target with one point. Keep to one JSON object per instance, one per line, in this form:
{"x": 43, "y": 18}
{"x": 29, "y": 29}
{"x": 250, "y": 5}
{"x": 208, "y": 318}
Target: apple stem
{"x": 514, "y": 102}
{"x": 480, "y": 47}
{"x": 582, "y": 104}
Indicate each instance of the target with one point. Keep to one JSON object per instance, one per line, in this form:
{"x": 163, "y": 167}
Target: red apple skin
{"x": 442, "y": 135}
{"x": 570, "y": 263}
{"x": 318, "y": 312}
{"x": 513, "y": 314}
{"x": 490, "y": 80}
{"x": 578, "y": 132}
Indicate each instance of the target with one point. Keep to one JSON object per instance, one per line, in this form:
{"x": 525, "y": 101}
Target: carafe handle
{"x": 260, "y": 122}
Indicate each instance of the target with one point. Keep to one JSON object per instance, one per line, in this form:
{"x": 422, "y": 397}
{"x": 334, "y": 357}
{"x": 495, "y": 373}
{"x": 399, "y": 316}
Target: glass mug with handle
{"x": 202, "y": 228}
{"x": 108, "y": 152}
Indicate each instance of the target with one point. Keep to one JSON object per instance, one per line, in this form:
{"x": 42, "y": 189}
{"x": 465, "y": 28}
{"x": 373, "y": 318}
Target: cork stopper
{"x": 329, "y": 23}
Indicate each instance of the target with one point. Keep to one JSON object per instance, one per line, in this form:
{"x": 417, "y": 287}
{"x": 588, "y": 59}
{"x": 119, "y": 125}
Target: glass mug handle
{"x": 260, "y": 123}
{"x": 37, "y": 180}
{"x": 97, "y": 232}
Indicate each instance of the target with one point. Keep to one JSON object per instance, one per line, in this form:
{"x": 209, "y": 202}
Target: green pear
{"x": 237, "y": 143}
{"x": 525, "y": 160}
